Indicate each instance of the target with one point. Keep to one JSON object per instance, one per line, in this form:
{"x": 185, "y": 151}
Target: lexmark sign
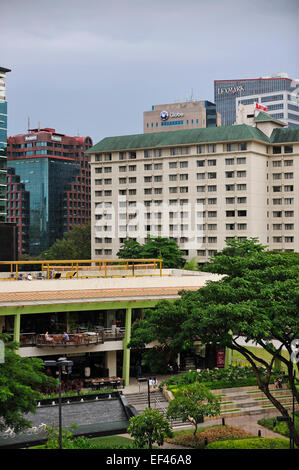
{"x": 230, "y": 90}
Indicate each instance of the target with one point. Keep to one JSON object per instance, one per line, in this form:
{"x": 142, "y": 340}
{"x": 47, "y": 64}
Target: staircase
{"x": 157, "y": 401}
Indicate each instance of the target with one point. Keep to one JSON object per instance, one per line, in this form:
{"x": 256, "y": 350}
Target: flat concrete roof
{"x": 38, "y": 292}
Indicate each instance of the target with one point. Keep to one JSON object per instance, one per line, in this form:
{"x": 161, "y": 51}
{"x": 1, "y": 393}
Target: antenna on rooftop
{"x": 38, "y": 126}
{"x": 28, "y": 123}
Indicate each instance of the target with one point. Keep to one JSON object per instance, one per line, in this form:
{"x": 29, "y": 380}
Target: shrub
{"x": 253, "y": 443}
{"x": 212, "y": 433}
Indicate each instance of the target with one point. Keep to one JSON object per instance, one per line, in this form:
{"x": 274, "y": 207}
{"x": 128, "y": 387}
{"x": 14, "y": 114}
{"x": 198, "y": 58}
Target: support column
{"x": 110, "y": 362}
{"x": 127, "y": 338}
{"x": 228, "y": 357}
{"x": 17, "y": 327}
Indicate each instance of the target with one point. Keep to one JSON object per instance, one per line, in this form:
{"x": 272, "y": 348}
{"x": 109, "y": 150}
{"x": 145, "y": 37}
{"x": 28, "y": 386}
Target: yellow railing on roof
{"x": 55, "y": 269}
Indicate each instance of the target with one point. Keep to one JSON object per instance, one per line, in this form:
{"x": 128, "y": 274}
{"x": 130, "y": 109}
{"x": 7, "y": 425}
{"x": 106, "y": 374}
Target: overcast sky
{"x": 92, "y": 67}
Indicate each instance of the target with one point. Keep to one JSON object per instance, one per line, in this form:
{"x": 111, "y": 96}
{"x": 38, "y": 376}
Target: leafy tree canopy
{"x": 257, "y": 299}
{"x": 149, "y": 427}
{"x": 74, "y": 245}
{"x": 193, "y": 402}
{"x": 155, "y": 247}
{"x": 19, "y": 380}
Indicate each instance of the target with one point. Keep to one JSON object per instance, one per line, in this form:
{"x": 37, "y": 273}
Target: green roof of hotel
{"x": 240, "y": 132}
{"x": 262, "y": 117}
{"x": 285, "y": 134}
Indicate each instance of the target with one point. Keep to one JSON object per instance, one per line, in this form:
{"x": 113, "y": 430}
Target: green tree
{"x": 155, "y": 247}
{"x": 256, "y": 300}
{"x": 20, "y": 377}
{"x": 193, "y": 402}
{"x": 74, "y": 245}
{"x": 149, "y": 427}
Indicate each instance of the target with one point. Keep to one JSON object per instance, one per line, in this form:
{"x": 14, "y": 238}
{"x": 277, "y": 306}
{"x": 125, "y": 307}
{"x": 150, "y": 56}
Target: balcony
{"x": 75, "y": 340}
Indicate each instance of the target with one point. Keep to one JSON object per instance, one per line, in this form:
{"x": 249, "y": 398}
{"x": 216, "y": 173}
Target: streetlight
{"x": 144, "y": 379}
{"x": 60, "y": 363}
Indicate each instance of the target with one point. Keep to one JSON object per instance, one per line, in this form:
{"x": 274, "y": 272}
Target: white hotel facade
{"x": 198, "y": 187}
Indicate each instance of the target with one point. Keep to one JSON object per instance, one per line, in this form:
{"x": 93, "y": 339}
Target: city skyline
{"x": 94, "y": 71}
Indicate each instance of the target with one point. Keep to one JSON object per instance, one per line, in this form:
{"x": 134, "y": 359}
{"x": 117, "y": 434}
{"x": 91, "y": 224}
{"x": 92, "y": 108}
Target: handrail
{"x": 74, "y": 266}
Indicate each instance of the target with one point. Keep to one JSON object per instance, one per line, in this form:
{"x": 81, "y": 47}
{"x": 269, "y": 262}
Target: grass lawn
{"x": 260, "y": 352}
{"x": 110, "y": 442}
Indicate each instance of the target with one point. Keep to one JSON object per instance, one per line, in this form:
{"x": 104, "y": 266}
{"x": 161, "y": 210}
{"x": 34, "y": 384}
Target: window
{"x": 172, "y": 177}
{"x": 276, "y": 149}
{"x": 98, "y": 170}
{"x": 230, "y": 187}
{"x": 185, "y": 150}
{"x": 230, "y": 226}
{"x": 132, "y": 167}
{"x": 277, "y": 226}
{"x": 289, "y": 188}
{"x": 289, "y": 226}
{"x": 200, "y": 163}
{"x": 107, "y": 181}
{"x": 288, "y": 163}
{"x": 132, "y": 155}
{"x": 212, "y": 176}
{"x": 184, "y": 177}
{"x": 212, "y": 213}
{"x": 158, "y": 166}
{"x": 241, "y": 187}
{"x": 158, "y": 152}
{"x": 211, "y": 162}
{"x": 211, "y": 148}
{"x": 277, "y": 239}
{"x": 107, "y": 169}
{"x": 212, "y": 239}
{"x": 288, "y": 149}
{"x": 212, "y": 200}
{"x": 148, "y": 153}
{"x": 276, "y": 176}
{"x": 229, "y": 161}
{"x": 241, "y": 174}
{"x": 277, "y": 213}
{"x": 122, "y": 155}
{"x": 173, "y": 164}
{"x": 231, "y": 147}
{"x": 241, "y": 200}
{"x": 201, "y": 189}
{"x": 147, "y": 179}
{"x": 158, "y": 190}
{"x": 132, "y": 179}
{"x": 230, "y": 200}
{"x": 122, "y": 192}
{"x": 122, "y": 180}
{"x": 288, "y": 200}
{"x": 212, "y": 226}
{"x": 183, "y": 164}
{"x": 242, "y": 226}
{"x": 201, "y": 176}
{"x": 107, "y": 157}
{"x": 148, "y": 167}
{"x": 276, "y": 189}
{"x": 289, "y": 176}
{"x": 158, "y": 178}
{"x": 229, "y": 174}
{"x": 147, "y": 190}
{"x": 200, "y": 149}
{"x": 242, "y": 213}
{"x": 173, "y": 190}
{"x": 184, "y": 189}
{"x": 289, "y": 239}
{"x": 289, "y": 213}
{"x": 212, "y": 188}
{"x": 241, "y": 160}
{"x": 132, "y": 192}
{"x": 174, "y": 151}
{"x": 242, "y": 146}
{"x": 108, "y": 193}
{"x": 230, "y": 213}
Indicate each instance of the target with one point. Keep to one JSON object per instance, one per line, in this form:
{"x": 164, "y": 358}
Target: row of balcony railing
{"x": 72, "y": 340}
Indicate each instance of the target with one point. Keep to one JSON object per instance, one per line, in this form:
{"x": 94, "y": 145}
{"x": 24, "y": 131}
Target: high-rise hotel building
{"x": 198, "y": 187}
{"x": 3, "y": 143}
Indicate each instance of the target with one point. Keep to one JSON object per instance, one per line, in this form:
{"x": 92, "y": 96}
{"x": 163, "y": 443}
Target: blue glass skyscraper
{"x": 3, "y": 144}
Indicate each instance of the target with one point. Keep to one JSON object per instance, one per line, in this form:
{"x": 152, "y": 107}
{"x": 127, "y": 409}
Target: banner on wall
{"x": 220, "y": 359}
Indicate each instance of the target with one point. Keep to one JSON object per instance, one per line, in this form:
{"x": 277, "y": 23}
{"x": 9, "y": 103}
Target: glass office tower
{"x": 3, "y": 144}
{"x": 46, "y": 179}
{"x": 226, "y": 92}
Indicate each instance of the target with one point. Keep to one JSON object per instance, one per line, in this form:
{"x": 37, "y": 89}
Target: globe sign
{"x": 164, "y": 115}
